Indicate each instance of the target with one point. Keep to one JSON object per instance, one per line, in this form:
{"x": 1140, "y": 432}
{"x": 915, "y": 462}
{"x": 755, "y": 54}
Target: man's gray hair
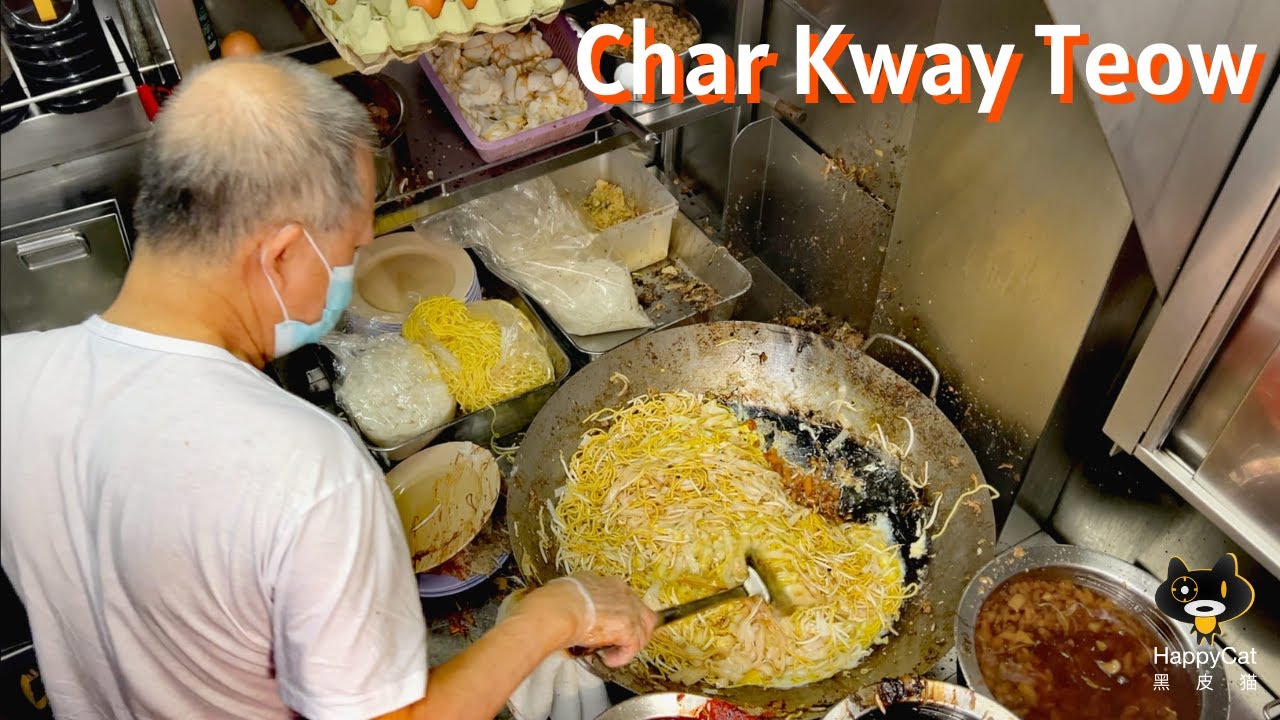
{"x": 247, "y": 143}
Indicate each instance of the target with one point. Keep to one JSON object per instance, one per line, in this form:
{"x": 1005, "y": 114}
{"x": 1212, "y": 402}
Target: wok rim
{"x": 931, "y": 631}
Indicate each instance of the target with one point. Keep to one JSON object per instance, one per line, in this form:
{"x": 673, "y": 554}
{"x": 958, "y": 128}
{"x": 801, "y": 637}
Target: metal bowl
{"x": 660, "y": 705}
{"x": 680, "y": 12}
{"x": 1128, "y": 586}
{"x": 933, "y": 698}
{"x": 382, "y": 92}
{"x": 610, "y": 61}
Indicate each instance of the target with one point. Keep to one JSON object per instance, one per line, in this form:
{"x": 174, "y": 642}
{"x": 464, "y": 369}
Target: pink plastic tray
{"x": 564, "y": 44}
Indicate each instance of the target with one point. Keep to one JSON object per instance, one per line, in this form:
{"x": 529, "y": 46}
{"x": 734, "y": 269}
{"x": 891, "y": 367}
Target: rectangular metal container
{"x": 692, "y": 250}
{"x": 484, "y": 426}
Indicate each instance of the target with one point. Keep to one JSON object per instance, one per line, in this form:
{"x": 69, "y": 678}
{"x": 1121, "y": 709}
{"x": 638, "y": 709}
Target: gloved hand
{"x": 602, "y": 612}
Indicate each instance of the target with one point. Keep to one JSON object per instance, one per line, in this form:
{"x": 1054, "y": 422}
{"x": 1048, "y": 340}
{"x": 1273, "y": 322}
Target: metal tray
{"x": 484, "y": 426}
{"x": 694, "y": 252}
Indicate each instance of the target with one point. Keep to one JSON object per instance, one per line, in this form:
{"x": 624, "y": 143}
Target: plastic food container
{"x": 564, "y": 45}
{"x": 642, "y": 240}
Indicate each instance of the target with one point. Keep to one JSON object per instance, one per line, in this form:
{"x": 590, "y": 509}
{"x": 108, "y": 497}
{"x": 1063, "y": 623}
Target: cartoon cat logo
{"x": 1205, "y": 598}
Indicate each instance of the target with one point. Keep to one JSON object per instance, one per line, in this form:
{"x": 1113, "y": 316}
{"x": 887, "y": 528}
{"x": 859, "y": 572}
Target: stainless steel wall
{"x": 1004, "y": 237}
{"x": 873, "y": 138}
{"x": 1004, "y": 234}
{"x": 1173, "y": 157}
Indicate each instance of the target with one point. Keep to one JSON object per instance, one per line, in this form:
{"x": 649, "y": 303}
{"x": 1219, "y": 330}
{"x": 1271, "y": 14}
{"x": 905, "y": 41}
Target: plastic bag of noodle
{"x": 488, "y": 350}
{"x": 392, "y": 389}
{"x": 531, "y": 237}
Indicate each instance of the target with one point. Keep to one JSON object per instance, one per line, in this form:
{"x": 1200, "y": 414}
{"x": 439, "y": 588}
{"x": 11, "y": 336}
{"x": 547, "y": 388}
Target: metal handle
{"x": 933, "y": 371}
{"x": 53, "y": 249}
{"x": 788, "y": 110}
{"x": 1271, "y": 711}
{"x": 684, "y": 610}
{"x": 647, "y": 137}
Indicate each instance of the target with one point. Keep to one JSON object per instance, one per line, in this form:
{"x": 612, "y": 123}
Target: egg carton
{"x": 371, "y": 33}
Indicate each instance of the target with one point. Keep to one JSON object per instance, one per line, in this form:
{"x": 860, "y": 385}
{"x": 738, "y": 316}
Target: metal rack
{"x": 438, "y": 169}
{"x": 32, "y": 102}
{"x": 45, "y": 139}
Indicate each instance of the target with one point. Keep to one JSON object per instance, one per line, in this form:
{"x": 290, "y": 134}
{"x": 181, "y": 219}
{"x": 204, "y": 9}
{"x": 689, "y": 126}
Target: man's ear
{"x": 274, "y": 246}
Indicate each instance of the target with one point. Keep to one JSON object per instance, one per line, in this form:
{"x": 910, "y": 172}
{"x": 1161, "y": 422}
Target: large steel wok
{"x": 787, "y": 370}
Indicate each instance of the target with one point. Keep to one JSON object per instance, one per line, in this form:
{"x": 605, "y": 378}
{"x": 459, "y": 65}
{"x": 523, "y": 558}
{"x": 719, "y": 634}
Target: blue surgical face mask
{"x": 293, "y": 334}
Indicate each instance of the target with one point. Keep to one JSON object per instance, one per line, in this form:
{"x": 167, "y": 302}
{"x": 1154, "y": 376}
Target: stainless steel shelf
{"x": 438, "y": 169}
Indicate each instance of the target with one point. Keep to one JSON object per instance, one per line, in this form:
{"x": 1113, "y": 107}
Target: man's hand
{"x": 583, "y": 610}
{"x": 597, "y": 612}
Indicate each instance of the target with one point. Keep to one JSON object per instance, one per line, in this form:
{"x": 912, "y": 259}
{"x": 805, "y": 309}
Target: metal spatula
{"x": 759, "y": 583}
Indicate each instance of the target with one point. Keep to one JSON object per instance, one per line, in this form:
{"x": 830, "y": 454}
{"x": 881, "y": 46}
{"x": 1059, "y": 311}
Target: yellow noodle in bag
{"x": 488, "y": 351}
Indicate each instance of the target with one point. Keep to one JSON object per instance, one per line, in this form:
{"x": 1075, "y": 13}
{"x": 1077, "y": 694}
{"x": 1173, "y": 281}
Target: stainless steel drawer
{"x": 60, "y": 269}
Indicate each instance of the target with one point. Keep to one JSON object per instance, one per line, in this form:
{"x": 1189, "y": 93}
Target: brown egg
{"x": 433, "y": 7}
{"x": 238, "y": 43}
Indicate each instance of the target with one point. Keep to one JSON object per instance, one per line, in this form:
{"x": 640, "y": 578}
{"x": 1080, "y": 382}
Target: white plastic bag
{"x": 391, "y": 388}
{"x": 534, "y": 239}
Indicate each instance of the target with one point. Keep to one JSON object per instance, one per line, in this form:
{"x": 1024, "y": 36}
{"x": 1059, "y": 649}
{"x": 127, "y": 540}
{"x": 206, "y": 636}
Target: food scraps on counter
{"x": 820, "y": 322}
{"x": 607, "y": 206}
{"x": 669, "y": 286}
{"x": 482, "y": 556}
{"x": 505, "y": 83}
{"x": 669, "y": 26}
{"x": 1045, "y": 645}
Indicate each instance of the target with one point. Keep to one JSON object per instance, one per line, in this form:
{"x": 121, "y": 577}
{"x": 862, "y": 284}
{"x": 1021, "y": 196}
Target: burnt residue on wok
{"x": 857, "y": 481}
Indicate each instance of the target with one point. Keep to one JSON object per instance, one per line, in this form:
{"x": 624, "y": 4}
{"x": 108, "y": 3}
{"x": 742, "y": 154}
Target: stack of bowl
{"x": 66, "y": 51}
{"x": 396, "y": 271}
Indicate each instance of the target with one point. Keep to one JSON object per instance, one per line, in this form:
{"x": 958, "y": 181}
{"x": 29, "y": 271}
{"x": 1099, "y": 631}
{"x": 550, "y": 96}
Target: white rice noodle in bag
{"x": 391, "y": 388}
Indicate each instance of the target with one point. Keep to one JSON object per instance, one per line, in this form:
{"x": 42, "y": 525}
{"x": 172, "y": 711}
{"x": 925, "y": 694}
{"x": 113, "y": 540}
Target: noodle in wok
{"x": 671, "y": 491}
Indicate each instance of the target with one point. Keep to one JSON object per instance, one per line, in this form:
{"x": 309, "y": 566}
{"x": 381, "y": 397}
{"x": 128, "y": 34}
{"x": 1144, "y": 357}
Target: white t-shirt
{"x": 191, "y": 541}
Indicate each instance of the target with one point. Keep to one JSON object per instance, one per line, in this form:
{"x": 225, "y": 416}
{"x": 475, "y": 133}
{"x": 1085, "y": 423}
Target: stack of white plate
{"x": 396, "y": 271}
{"x": 474, "y": 294}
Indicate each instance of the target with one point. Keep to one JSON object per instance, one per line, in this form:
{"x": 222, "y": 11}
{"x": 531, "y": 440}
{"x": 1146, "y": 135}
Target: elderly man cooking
{"x": 191, "y": 541}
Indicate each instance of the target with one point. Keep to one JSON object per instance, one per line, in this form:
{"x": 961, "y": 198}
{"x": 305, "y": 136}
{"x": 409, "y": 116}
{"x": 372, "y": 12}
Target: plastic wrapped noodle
{"x": 488, "y": 351}
{"x": 392, "y": 389}
{"x": 535, "y": 239}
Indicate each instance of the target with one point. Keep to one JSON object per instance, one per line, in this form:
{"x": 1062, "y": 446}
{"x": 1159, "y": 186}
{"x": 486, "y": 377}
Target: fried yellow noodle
{"x": 670, "y": 492}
